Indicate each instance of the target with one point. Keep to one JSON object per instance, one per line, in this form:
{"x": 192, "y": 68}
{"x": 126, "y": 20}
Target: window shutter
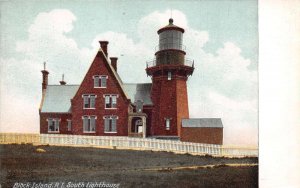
{"x": 92, "y": 101}
{"x": 114, "y": 124}
{"x": 96, "y": 81}
{"x": 93, "y": 122}
{"x": 103, "y": 81}
{"x": 106, "y": 124}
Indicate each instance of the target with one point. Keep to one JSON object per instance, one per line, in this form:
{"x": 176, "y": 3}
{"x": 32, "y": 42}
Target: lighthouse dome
{"x": 170, "y": 36}
{"x": 170, "y": 26}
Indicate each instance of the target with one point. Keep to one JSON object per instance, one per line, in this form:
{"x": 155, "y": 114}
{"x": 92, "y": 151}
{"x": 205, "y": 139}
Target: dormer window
{"x": 89, "y": 101}
{"x": 139, "y": 106}
{"x": 100, "y": 81}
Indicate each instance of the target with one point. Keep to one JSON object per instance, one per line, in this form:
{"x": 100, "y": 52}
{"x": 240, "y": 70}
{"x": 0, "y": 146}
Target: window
{"x": 69, "y": 125}
{"x": 169, "y": 75}
{"x": 167, "y": 124}
{"x": 100, "y": 81}
{"x": 89, "y": 101}
{"x": 53, "y": 124}
{"x": 89, "y": 124}
{"x": 139, "y": 106}
{"x": 110, "y": 101}
{"x": 110, "y": 124}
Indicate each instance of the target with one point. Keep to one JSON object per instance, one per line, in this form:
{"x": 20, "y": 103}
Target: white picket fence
{"x": 128, "y": 143}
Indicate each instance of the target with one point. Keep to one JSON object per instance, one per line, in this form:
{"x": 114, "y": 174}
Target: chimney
{"x": 103, "y": 45}
{"x": 113, "y": 61}
{"x": 45, "y": 77}
{"x": 62, "y": 82}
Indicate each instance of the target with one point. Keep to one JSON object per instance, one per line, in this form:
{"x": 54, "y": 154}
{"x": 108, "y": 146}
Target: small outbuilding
{"x": 202, "y": 130}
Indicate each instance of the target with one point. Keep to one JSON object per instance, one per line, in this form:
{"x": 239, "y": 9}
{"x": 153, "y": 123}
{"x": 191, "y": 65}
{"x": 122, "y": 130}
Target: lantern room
{"x": 170, "y": 37}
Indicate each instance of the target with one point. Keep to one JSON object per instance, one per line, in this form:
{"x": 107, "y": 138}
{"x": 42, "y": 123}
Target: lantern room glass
{"x": 170, "y": 39}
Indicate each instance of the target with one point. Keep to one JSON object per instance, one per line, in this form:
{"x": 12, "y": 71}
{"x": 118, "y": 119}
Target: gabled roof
{"x": 58, "y": 98}
{"x": 202, "y": 122}
{"x": 114, "y": 72}
{"x": 116, "y": 75}
{"x": 139, "y": 92}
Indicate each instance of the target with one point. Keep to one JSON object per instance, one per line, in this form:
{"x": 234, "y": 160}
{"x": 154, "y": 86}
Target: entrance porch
{"x": 137, "y": 125}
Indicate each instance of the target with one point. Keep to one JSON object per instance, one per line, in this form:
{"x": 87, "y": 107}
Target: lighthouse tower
{"x": 169, "y": 71}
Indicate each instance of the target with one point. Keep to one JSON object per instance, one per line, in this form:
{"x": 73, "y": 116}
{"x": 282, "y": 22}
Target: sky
{"x": 221, "y": 37}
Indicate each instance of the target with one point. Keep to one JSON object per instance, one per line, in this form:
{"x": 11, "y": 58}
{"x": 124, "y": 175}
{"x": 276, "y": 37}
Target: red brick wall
{"x": 182, "y": 103}
{"x": 155, "y": 97}
{"x": 148, "y": 111}
{"x": 202, "y": 135}
{"x": 100, "y": 67}
{"x": 164, "y": 99}
{"x": 63, "y": 125}
{"x": 170, "y": 101}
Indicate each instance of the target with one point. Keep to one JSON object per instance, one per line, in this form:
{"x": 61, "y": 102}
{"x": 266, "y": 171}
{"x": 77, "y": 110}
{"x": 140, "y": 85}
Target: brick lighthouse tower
{"x": 169, "y": 72}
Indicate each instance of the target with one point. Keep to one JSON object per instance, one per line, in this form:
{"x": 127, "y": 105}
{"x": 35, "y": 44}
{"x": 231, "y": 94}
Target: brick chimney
{"x": 62, "y": 82}
{"x": 45, "y": 77}
{"x": 113, "y": 61}
{"x": 103, "y": 45}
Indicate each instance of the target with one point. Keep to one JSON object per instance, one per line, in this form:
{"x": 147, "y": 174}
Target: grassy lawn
{"x": 22, "y": 163}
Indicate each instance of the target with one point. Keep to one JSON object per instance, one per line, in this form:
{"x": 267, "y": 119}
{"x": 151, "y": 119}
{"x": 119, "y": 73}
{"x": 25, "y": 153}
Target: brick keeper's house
{"x": 103, "y": 105}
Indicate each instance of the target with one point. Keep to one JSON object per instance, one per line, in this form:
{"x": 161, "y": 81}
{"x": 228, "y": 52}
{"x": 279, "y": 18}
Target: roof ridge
{"x": 115, "y": 73}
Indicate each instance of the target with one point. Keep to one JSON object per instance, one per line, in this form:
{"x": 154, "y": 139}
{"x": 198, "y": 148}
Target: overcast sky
{"x": 221, "y": 36}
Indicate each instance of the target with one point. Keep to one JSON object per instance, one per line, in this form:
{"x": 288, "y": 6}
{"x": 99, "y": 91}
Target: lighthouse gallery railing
{"x": 187, "y": 62}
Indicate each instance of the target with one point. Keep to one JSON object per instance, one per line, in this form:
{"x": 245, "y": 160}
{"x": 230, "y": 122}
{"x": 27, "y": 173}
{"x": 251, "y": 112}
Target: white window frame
{"x": 168, "y": 124}
{"x": 110, "y": 101}
{"x": 55, "y": 120}
{"x": 110, "y": 118}
{"x": 169, "y": 75}
{"x": 89, "y": 101}
{"x": 89, "y": 118}
{"x": 100, "y": 77}
{"x": 69, "y": 125}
